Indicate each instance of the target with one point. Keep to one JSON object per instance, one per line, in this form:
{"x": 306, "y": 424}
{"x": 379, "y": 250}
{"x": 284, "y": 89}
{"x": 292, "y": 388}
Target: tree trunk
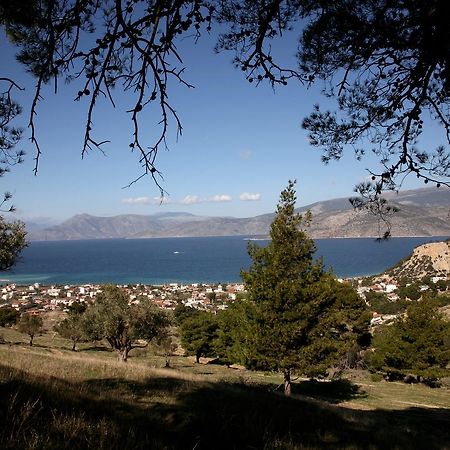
{"x": 73, "y": 346}
{"x": 123, "y": 354}
{"x": 31, "y": 339}
{"x": 287, "y": 382}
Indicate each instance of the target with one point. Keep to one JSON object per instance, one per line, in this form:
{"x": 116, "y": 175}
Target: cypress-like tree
{"x": 298, "y": 317}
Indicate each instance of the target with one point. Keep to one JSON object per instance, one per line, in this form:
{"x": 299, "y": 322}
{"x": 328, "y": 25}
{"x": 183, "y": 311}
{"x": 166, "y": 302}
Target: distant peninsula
{"x": 422, "y": 212}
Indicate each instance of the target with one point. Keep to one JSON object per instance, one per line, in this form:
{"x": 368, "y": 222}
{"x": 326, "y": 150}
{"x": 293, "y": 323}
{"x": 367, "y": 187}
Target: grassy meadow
{"x": 53, "y": 398}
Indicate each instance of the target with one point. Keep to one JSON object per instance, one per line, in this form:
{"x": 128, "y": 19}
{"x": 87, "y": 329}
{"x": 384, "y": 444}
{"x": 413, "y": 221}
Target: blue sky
{"x": 240, "y": 146}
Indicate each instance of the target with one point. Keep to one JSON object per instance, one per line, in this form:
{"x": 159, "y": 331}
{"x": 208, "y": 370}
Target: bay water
{"x": 187, "y": 260}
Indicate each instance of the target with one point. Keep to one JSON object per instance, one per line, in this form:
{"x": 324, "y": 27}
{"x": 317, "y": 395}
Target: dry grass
{"x": 53, "y": 398}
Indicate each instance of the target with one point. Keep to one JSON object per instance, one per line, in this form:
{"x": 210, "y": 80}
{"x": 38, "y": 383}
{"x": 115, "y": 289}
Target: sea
{"x": 187, "y": 260}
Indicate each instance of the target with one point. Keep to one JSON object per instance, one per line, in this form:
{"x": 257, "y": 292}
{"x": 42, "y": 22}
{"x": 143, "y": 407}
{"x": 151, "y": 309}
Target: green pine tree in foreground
{"x": 298, "y": 318}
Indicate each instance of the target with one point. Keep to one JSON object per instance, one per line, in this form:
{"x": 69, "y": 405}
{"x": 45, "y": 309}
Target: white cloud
{"x": 250, "y": 197}
{"x": 220, "y": 198}
{"x": 145, "y": 200}
{"x": 245, "y": 154}
{"x": 195, "y": 199}
{"x": 191, "y": 200}
{"x": 138, "y": 200}
{"x": 187, "y": 200}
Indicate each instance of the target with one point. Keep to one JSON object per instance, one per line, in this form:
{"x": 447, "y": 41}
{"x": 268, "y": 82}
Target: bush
{"x": 8, "y": 316}
{"x": 376, "y": 377}
{"x": 412, "y": 292}
{"x": 380, "y": 303}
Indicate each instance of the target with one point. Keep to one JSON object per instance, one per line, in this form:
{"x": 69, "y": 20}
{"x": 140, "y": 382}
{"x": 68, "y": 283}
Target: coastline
{"x": 243, "y": 236}
{"x": 188, "y": 260}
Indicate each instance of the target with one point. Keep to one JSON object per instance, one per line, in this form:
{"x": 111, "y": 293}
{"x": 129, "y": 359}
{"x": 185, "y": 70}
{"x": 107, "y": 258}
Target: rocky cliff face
{"x": 431, "y": 259}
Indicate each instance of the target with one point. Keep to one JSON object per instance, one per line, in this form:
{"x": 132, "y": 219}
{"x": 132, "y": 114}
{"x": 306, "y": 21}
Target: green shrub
{"x": 380, "y": 303}
{"x": 376, "y": 377}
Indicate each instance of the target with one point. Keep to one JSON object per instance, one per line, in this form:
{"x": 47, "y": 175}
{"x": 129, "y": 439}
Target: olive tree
{"x": 72, "y": 328}
{"x": 30, "y": 324}
{"x": 123, "y": 324}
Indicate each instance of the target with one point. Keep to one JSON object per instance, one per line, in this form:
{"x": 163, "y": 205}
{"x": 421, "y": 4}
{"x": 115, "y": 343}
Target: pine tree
{"x": 198, "y": 334}
{"x": 416, "y": 344}
{"x": 298, "y": 317}
{"x": 12, "y": 240}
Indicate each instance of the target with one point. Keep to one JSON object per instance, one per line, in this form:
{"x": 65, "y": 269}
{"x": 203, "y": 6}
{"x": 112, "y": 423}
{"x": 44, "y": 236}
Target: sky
{"x": 240, "y": 146}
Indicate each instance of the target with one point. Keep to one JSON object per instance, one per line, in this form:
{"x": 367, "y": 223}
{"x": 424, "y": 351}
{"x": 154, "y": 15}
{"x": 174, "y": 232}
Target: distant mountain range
{"x": 423, "y": 212}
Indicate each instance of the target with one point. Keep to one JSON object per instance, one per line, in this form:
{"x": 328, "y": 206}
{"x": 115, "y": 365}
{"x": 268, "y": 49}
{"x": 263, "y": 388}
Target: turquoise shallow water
{"x": 187, "y": 260}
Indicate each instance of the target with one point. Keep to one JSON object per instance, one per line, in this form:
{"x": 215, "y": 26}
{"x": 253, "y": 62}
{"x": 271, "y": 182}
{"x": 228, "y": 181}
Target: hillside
{"x": 410, "y": 220}
{"x": 432, "y": 259}
{"x": 423, "y": 212}
{"x": 53, "y": 398}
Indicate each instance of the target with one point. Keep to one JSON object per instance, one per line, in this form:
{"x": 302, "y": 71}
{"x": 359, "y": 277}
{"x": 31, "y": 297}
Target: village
{"x": 396, "y": 291}
{"x": 37, "y": 298}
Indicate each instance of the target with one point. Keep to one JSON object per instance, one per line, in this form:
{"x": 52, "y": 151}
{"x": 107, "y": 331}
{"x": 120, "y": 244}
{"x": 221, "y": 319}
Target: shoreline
{"x": 243, "y": 236}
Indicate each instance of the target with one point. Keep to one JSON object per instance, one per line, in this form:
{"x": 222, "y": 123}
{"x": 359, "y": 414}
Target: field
{"x": 53, "y": 398}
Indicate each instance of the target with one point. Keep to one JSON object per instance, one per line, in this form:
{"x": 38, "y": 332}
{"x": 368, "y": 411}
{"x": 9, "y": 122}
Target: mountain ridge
{"x": 422, "y": 212}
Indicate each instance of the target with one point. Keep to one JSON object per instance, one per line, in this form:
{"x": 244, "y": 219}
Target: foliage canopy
{"x": 12, "y": 242}
{"x": 386, "y": 64}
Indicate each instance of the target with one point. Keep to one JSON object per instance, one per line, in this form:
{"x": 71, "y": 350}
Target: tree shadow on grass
{"x": 12, "y": 343}
{"x": 146, "y": 391}
{"x": 335, "y": 391}
{"x": 174, "y": 413}
{"x": 96, "y": 348}
{"x": 40, "y": 346}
